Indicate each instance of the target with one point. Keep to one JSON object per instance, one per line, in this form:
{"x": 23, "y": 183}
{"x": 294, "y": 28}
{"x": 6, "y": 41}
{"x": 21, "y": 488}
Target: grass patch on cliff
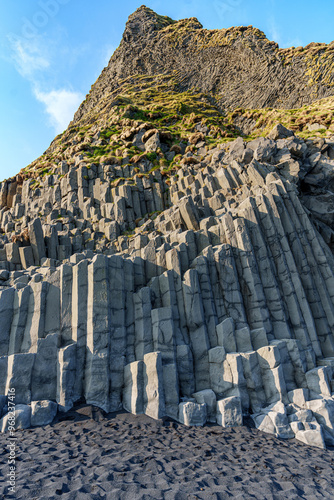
{"x": 159, "y": 101}
{"x": 298, "y": 120}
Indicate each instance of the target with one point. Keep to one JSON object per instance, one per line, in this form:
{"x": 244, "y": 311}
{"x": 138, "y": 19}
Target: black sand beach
{"x": 89, "y": 455}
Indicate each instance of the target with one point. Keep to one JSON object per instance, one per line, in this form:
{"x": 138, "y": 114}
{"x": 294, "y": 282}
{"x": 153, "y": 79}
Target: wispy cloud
{"x": 33, "y": 59}
{"x": 275, "y": 33}
{"x": 29, "y": 56}
{"x": 60, "y": 105}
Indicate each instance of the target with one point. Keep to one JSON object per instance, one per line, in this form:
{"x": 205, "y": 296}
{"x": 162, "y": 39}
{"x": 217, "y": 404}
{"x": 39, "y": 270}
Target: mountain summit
{"x": 239, "y": 66}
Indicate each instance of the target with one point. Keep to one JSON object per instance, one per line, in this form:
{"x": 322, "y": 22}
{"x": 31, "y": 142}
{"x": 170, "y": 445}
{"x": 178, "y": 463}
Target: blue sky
{"x": 52, "y": 51}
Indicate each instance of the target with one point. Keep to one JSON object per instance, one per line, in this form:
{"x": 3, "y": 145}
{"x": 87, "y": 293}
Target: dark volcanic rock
{"x": 239, "y": 65}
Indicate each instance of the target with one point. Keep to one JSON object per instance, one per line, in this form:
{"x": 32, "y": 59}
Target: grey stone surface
{"x": 35, "y": 324}
{"x": 243, "y": 340}
{"x": 19, "y": 374}
{"x": 192, "y": 414}
{"x": 197, "y": 329}
{"x": 229, "y": 412}
{"x": 21, "y": 420}
{"x": 208, "y": 398}
{"x": 20, "y": 312}
{"x": 133, "y": 390}
{"x": 143, "y": 323}
{"x": 154, "y": 397}
{"x": 227, "y": 294}
{"x": 66, "y": 371}
{"x": 26, "y": 257}
{"x": 37, "y": 240}
{"x": 98, "y": 334}
{"x": 226, "y": 335}
{"x": 318, "y": 380}
{"x": 189, "y": 214}
{"x": 79, "y": 321}
{"x": 6, "y": 315}
{"x": 163, "y": 333}
{"x": 171, "y": 389}
{"x": 323, "y": 410}
{"x": 12, "y": 253}
{"x": 66, "y": 282}
{"x": 185, "y": 369}
{"x": 43, "y": 412}
{"x": 311, "y": 436}
{"x": 273, "y": 420}
{"x": 3, "y": 405}
{"x": 44, "y": 373}
{"x": 299, "y": 397}
{"x": 280, "y": 132}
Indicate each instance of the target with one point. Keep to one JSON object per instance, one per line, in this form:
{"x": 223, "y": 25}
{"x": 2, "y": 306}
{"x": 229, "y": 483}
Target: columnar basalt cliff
{"x": 239, "y": 66}
{"x": 158, "y": 259}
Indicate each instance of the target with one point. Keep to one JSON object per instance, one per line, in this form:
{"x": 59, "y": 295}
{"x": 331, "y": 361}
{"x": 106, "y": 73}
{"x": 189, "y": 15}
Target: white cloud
{"x": 33, "y": 59}
{"x": 29, "y": 56}
{"x": 275, "y": 33}
{"x": 60, "y": 105}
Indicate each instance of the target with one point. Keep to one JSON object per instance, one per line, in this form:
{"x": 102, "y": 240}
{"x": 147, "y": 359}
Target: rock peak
{"x": 143, "y": 21}
{"x": 233, "y": 64}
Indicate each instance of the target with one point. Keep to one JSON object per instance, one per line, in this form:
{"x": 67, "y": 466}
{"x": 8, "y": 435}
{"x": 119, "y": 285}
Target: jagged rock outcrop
{"x": 149, "y": 263}
{"x": 239, "y": 66}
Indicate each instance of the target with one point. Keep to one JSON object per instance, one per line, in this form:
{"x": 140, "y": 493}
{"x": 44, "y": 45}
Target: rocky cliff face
{"x": 156, "y": 258}
{"x": 239, "y": 66}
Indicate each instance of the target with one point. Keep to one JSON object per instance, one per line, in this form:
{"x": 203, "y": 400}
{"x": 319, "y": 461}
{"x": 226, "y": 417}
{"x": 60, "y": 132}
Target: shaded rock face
{"x": 240, "y": 66}
{"x": 183, "y": 277}
{"x": 233, "y": 304}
